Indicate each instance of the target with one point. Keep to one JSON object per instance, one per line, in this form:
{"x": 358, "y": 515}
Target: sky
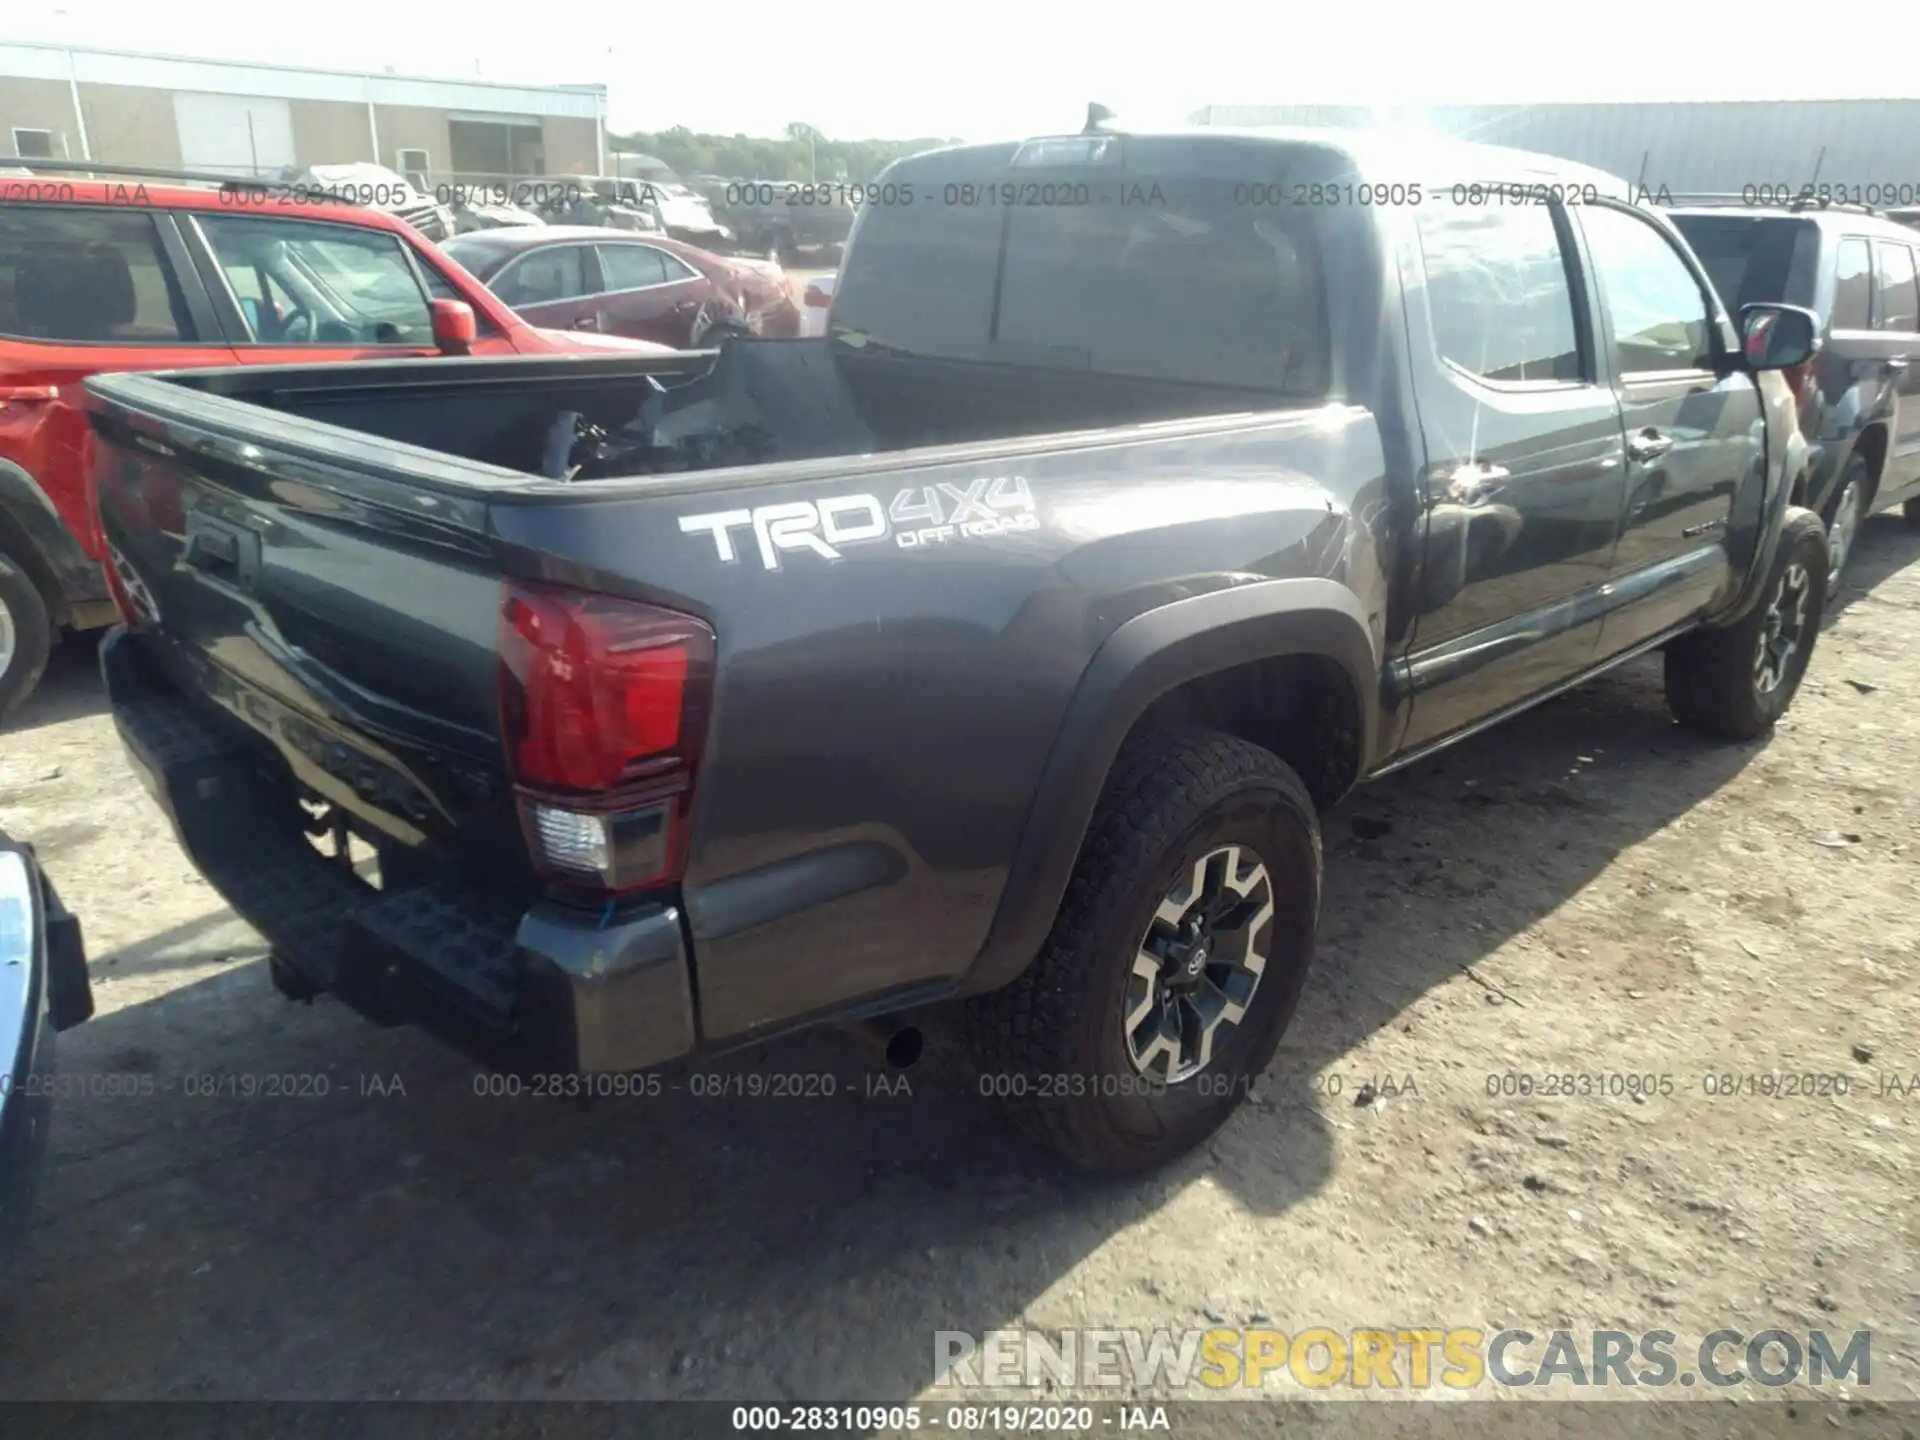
{"x": 989, "y": 69}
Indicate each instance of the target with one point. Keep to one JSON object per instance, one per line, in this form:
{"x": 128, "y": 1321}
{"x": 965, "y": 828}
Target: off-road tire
{"x": 32, "y": 630}
{"x": 1051, "y": 1043}
{"x": 1710, "y": 678}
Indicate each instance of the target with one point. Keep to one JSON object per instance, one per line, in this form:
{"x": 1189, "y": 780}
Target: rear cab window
{"x": 1156, "y": 261}
{"x": 88, "y": 275}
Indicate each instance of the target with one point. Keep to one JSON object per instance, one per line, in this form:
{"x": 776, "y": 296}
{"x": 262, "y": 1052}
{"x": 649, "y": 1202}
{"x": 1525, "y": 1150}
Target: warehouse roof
{"x": 37, "y": 61}
{"x": 1685, "y": 145}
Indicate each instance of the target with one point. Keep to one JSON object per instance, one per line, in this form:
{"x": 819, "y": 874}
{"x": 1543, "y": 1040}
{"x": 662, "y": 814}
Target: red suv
{"x": 130, "y": 274}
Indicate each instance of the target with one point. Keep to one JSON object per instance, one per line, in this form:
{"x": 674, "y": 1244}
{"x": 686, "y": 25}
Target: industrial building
{"x": 65, "y": 103}
{"x": 1866, "y": 149}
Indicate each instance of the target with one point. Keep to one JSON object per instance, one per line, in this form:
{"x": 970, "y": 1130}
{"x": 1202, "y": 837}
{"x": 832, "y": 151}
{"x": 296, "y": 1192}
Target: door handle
{"x": 1648, "y": 445}
{"x": 1474, "y": 483}
{"x": 29, "y": 394}
{"x": 585, "y": 322}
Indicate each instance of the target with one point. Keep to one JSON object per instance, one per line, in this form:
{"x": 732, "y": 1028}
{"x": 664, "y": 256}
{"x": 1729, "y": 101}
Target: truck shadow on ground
{"x": 377, "y": 1222}
{"x": 69, "y": 690}
{"x": 1884, "y": 546}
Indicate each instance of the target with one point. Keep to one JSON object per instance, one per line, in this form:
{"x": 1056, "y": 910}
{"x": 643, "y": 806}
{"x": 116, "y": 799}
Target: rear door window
{"x": 1852, "y": 286}
{"x": 634, "y": 267}
{"x": 1497, "y": 291}
{"x": 1896, "y": 298}
{"x": 1184, "y": 281}
{"x": 320, "y": 284}
{"x": 88, "y": 276}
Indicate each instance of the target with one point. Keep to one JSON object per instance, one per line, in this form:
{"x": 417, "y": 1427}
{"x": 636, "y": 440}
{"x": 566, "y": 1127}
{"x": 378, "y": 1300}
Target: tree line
{"x": 803, "y": 153}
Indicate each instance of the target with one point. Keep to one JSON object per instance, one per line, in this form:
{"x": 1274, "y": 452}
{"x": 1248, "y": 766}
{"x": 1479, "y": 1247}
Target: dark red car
{"x": 643, "y": 287}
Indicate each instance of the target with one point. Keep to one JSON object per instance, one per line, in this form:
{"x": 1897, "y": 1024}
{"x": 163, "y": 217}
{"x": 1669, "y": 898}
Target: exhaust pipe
{"x": 894, "y": 1045}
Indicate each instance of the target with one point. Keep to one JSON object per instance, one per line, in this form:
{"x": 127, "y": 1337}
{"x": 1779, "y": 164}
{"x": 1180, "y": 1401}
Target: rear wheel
{"x": 1176, "y": 960}
{"x": 1736, "y": 682}
{"x": 1844, "y": 513}
{"x": 26, "y": 636}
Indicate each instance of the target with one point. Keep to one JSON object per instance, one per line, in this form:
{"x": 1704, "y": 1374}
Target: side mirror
{"x": 1778, "y": 337}
{"x": 454, "y": 327}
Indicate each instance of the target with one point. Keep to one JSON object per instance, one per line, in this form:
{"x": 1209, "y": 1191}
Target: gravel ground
{"x": 1586, "y": 890}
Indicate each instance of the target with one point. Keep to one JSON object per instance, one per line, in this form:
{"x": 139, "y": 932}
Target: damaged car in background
{"x": 595, "y": 200}
{"x": 641, "y": 287}
{"x": 365, "y": 183}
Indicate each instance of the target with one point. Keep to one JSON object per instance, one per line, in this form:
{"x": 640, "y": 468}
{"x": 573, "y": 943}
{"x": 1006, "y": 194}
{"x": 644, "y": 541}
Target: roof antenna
{"x": 1097, "y": 116}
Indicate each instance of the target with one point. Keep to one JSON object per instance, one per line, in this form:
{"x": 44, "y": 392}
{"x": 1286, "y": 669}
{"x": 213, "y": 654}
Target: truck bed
{"x": 322, "y": 554}
{"x": 764, "y": 401}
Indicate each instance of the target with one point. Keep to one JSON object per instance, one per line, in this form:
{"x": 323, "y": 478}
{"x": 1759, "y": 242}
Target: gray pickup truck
{"x": 1147, "y": 492}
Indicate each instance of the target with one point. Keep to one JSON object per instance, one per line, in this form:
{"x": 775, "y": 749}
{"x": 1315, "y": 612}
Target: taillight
{"x": 603, "y": 708}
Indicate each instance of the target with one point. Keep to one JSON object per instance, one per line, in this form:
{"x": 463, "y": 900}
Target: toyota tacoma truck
{"x": 1001, "y": 646}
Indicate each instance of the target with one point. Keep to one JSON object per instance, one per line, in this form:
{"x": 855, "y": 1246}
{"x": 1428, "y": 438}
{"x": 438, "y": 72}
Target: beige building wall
{"x": 38, "y": 105}
{"x": 137, "y": 126}
{"x": 410, "y": 127}
{"x": 572, "y": 146}
{"x": 332, "y": 132}
{"x": 133, "y": 126}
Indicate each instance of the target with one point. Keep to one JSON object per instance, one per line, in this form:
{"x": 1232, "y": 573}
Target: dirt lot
{"x": 1587, "y": 890}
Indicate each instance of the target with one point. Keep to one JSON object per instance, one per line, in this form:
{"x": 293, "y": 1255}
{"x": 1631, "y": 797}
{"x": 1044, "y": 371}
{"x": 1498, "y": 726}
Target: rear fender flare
{"x": 35, "y": 537}
{"x": 1147, "y": 657}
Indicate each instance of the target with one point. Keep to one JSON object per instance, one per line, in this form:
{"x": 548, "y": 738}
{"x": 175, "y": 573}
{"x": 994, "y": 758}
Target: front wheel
{"x": 1176, "y": 960}
{"x": 1734, "y": 683}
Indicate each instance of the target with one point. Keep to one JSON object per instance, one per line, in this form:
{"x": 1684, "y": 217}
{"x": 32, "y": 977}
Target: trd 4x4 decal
{"x": 918, "y": 516}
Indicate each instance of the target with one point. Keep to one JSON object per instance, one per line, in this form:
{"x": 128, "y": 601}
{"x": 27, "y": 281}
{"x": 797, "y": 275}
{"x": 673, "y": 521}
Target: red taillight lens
{"x": 603, "y": 706}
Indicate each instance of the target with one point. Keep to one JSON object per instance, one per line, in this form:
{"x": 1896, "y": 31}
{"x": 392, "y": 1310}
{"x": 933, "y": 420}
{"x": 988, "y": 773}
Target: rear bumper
{"x": 545, "y": 988}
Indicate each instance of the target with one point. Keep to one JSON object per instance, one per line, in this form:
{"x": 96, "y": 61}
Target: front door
{"x": 552, "y": 287}
{"x": 1524, "y": 459}
{"x": 1695, "y": 432}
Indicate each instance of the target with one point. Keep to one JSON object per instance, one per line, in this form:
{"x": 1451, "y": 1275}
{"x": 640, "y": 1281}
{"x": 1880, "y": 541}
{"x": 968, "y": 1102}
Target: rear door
{"x": 649, "y": 294}
{"x": 552, "y": 286}
{"x": 1522, "y": 488}
{"x": 86, "y": 289}
{"x": 1896, "y": 314}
